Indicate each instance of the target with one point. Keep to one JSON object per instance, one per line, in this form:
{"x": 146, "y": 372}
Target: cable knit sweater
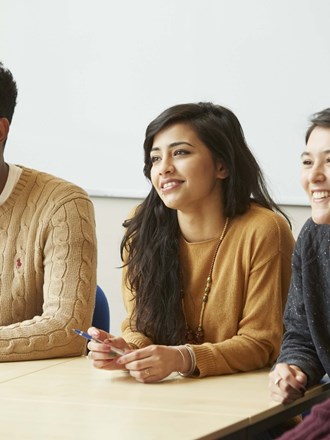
{"x": 47, "y": 268}
{"x": 306, "y": 342}
{"x": 243, "y": 317}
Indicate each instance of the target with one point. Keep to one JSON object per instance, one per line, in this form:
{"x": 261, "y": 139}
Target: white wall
{"x": 110, "y": 213}
{"x": 92, "y": 74}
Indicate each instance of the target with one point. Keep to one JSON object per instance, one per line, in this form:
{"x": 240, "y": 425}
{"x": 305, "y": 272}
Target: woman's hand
{"x": 101, "y": 353}
{"x": 155, "y": 362}
{"x": 287, "y": 383}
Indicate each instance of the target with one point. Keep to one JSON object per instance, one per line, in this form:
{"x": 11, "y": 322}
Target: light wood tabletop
{"x": 70, "y": 399}
{"x": 12, "y": 370}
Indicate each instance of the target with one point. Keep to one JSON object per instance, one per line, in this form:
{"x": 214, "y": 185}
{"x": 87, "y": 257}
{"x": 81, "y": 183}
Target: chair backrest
{"x": 101, "y": 317}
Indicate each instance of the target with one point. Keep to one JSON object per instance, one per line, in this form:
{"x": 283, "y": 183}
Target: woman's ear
{"x": 4, "y": 129}
{"x": 222, "y": 170}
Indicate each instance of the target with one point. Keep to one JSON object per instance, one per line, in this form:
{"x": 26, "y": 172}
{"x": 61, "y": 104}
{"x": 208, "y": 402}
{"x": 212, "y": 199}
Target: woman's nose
{"x": 316, "y": 174}
{"x": 166, "y": 166}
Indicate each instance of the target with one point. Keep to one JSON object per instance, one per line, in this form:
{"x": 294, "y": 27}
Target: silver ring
{"x": 147, "y": 371}
{"x": 277, "y": 381}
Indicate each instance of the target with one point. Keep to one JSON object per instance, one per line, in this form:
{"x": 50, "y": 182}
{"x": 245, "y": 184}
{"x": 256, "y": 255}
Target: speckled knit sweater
{"x": 306, "y": 342}
{"x": 47, "y": 268}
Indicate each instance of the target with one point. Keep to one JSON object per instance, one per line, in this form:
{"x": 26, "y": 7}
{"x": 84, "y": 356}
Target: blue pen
{"x": 90, "y": 338}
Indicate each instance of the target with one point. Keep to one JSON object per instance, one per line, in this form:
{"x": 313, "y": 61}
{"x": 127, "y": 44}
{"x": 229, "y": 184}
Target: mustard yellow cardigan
{"x": 243, "y": 317}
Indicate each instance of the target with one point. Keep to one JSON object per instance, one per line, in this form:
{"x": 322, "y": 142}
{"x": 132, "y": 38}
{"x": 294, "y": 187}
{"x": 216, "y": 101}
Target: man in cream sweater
{"x": 47, "y": 255}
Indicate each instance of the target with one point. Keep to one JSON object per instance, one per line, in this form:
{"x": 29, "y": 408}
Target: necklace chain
{"x": 197, "y": 336}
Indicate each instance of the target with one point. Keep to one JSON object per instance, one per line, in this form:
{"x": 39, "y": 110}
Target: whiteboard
{"x": 93, "y": 74}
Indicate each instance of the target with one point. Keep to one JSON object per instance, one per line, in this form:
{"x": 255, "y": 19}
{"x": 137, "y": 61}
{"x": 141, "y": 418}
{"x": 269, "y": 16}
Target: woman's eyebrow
{"x": 306, "y": 153}
{"x": 173, "y": 144}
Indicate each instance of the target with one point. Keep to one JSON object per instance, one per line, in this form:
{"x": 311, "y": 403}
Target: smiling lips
{"x": 319, "y": 195}
{"x": 170, "y": 184}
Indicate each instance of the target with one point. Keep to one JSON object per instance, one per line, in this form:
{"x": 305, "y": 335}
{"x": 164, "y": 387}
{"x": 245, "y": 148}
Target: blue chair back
{"x": 101, "y": 317}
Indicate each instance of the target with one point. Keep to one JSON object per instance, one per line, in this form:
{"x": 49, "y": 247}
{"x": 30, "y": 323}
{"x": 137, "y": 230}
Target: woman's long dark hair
{"x": 152, "y": 235}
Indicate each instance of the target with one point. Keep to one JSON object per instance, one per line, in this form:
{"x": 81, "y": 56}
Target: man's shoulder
{"x": 50, "y": 184}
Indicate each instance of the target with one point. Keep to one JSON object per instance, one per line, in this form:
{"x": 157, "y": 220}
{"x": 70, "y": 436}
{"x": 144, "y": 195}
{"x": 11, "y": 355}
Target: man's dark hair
{"x": 8, "y": 93}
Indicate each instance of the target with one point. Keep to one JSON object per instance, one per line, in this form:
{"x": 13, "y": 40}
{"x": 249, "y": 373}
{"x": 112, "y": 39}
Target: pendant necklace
{"x": 197, "y": 336}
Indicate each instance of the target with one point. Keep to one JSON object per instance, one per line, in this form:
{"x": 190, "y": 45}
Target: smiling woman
{"x": 315, "y": 174}
{"x": 305, "y": 355}
{"x": 186, "y": 176}
{"x": 204, "y": 255}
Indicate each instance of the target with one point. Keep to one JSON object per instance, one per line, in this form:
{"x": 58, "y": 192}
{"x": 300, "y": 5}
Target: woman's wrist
{"x": 184, "y": 359}
{"x": 188, "y": 360}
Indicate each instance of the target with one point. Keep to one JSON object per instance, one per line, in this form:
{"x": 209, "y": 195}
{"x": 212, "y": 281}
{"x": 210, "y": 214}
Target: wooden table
{"x": 69, "y": 399}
